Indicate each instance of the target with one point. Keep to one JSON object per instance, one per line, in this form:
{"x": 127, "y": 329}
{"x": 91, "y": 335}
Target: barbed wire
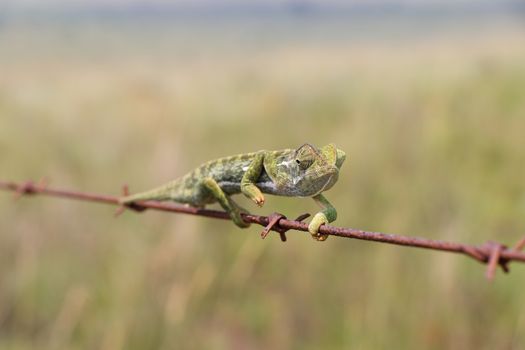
{"x": 493, "y": 254}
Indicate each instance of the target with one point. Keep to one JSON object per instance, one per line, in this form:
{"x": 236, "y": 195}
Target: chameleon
{"x": 306, "y": 171}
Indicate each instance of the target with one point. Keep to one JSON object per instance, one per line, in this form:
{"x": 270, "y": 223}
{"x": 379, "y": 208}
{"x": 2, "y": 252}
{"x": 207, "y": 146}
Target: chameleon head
{"x": 317, "y": 170}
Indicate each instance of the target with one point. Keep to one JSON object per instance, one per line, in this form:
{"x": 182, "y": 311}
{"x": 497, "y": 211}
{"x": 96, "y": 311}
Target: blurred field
{"x": 432, "y": 119}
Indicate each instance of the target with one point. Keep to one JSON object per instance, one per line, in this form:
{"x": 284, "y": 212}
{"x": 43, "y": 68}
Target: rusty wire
{"x": 491, "y": 253}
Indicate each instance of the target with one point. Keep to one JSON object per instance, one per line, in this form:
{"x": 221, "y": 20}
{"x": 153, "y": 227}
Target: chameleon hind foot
{"x": 225, "y": 202}
{"x": 236, "y": 215}
{"x": 237, "y": 220}
{"x": 313, "y": 227}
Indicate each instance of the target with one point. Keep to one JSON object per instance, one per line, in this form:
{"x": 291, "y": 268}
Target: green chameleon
{"x": 303, "y": 172}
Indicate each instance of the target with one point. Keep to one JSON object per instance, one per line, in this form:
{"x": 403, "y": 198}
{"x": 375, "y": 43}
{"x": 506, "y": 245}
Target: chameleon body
{"x": 303, "y": 172}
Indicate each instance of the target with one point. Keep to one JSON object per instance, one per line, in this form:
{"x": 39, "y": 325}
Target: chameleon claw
{"x": 238, "y": 220}
{"x": 259, "y": 200}
{"x": 253, "y": 193}
{"x": 318, "y": 220}
{"x": 320, "y": 237}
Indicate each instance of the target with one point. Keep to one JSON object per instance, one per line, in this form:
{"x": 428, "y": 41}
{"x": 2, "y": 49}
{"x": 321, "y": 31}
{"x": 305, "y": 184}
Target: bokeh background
{"x": 426, "y": 98}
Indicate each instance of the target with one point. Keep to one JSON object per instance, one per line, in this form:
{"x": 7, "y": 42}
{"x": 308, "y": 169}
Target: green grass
{"x": 433, "y": 131}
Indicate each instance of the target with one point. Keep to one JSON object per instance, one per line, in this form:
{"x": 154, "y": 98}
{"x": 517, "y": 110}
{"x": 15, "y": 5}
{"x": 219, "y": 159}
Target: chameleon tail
{"x": 161, "y": 193}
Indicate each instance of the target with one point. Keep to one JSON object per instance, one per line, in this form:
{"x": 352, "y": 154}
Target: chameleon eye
{"x": 305, "y": 156}
{"x": 304, "y": 164}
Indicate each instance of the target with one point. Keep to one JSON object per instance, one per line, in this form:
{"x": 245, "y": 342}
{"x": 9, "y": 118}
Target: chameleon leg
{"x": 226, "y": 203}
{"x": 249, "y": 179}
{"x": 327, "y": 215}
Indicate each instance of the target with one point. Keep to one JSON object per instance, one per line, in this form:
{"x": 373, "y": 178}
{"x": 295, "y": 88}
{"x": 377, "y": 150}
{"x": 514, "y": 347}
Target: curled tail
{"x": 161, "y": 193}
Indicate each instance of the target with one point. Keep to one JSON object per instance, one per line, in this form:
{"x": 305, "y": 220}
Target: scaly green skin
{"x": 303, "y": 172}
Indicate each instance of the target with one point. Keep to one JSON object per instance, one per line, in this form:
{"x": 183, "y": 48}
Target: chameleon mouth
{"x": 330, "y": 174}
{"x": 324, "y": 187}
{"x": 327, "y": 169}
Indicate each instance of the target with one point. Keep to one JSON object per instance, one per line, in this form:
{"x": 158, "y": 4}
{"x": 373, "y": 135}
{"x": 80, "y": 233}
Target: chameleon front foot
{"x": 318, "y": 220}
{"x": 259, "y": 200}
{"x": 254, "y": 193}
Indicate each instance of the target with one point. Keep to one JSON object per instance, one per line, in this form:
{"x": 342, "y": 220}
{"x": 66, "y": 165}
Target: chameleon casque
{"x": 303, "y": 172}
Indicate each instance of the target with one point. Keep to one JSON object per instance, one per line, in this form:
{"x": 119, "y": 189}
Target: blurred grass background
{"x": 430, "y": 110}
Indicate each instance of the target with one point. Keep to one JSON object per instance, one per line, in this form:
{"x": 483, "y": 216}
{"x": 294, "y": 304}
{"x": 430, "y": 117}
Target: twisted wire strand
{"x": 491, "y": 253}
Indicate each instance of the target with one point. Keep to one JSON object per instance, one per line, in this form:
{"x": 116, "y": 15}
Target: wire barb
{"x": 122, "y": 207}
{"x": 494, "y": 259}
{"x": 133, "y": 206}
{"x": 273, "y": 224}
{"x": 520, "y": 245}
{"x": 29, "y": 187}
{"x": 491, "y": 253}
